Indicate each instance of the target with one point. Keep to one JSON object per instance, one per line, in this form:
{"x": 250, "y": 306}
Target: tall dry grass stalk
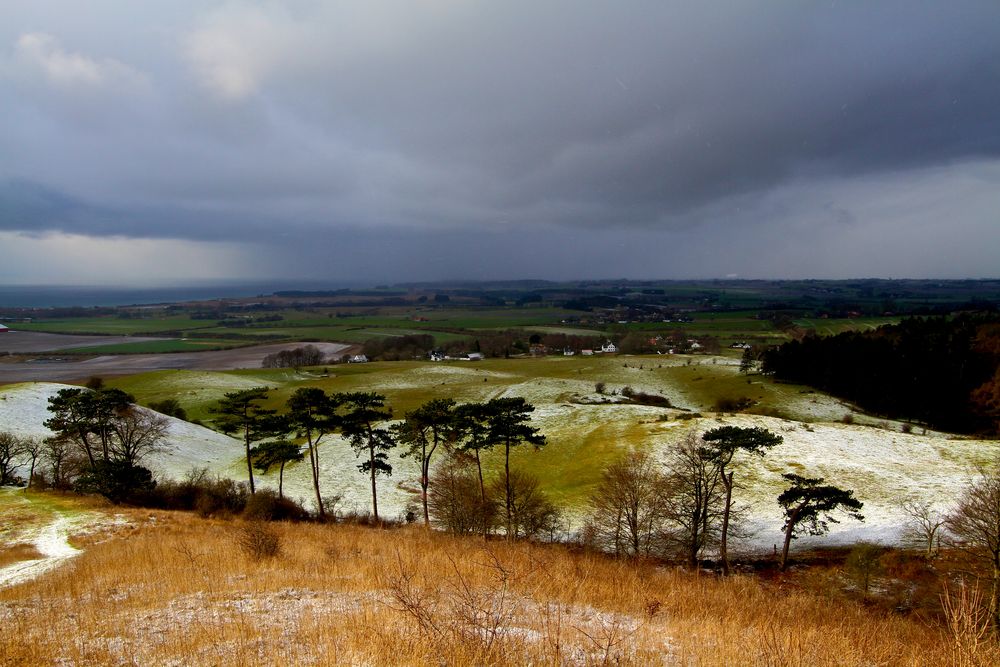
{"x": 178, "y": 590}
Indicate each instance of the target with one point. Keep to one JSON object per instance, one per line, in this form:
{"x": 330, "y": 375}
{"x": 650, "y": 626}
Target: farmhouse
{"x": 609, "y": 347}
{"x": 358, "y": 359}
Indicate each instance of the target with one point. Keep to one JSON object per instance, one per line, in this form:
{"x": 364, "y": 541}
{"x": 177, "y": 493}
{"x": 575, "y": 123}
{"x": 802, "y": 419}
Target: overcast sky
{"x": 167, "y": 142}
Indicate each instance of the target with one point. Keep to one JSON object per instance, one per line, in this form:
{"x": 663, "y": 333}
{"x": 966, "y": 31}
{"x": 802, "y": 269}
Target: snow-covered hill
{"x": 884, "y": 467}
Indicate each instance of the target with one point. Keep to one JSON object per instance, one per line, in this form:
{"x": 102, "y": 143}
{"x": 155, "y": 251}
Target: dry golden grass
{"x": 18, "y": 552}
{"x": 178, "y": 590}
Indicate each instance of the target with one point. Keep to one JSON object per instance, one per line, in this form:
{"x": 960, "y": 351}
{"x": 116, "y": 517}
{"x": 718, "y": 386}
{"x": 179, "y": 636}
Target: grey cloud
{"x": 457, "y": 126}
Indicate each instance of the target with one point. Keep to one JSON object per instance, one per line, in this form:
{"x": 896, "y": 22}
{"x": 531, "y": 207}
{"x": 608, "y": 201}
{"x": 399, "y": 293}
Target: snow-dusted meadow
{"x": 883, "y": 466}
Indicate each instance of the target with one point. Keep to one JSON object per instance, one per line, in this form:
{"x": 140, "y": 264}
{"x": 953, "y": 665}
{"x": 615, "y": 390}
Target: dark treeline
{"x": 935, "y": 370}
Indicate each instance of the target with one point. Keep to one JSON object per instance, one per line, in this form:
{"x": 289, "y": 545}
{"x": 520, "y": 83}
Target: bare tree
{"x": 137, "y": 434}
{"x": 456, "y": 502}
{"x": 628, "y": 514}
{"x": 694, "y": 497}
{"x": 924, "y": 524}
{"x": 58, "y": 457}
{"x": 975, "y": 523}
{"x": 11, "y": 451}
{"x": 33, "y": 449}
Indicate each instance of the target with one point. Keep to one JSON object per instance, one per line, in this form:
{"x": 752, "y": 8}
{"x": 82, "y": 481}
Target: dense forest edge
{"x": 942, "y": 372}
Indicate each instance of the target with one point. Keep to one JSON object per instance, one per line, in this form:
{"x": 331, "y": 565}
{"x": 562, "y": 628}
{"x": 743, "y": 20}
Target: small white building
{"x": 587, "y": 353}
{"x": 609, "y": 347}
{"x": 358, "y": 359}
{"x": 475, "y": 356}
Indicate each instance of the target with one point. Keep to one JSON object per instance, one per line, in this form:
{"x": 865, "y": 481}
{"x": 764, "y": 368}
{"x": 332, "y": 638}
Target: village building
{"x": 609, "y": 347}
{"x": 358, "y": 359}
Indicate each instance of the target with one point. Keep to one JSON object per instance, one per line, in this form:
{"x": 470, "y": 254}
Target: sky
{"x": 174, "y": 142}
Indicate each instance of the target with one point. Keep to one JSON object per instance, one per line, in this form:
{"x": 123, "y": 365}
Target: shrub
{"x": 259, "y": 541}
{"x": 455, "y": 501}
{"x": 847, "y": 419}
{"x": 532, "y": 513}
{"x": 169, "y": 407}
{"x": 730, "y": 404}
{"x": 864, "y": 563}
{"x": 266, "y": 505}
{"x": 206, "y": 495}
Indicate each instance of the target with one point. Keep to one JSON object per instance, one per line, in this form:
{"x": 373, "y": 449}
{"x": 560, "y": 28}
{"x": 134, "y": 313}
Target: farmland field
{"x": 160, "y": 346}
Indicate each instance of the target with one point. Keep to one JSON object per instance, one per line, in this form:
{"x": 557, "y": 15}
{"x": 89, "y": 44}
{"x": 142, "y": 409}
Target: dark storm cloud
{"x": 603, "y": 135}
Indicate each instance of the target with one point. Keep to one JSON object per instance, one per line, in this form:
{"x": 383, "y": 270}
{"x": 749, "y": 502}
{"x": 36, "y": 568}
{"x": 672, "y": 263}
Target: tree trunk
{"x": 727, "y": 481}
{"x": 246, "y": 440}
{"x": 482, "y": 486}
{"x": 314, "y": 463}
{"x": 509, "y": 500}
{"x": 281, "y": 483}
{"x": 482, "y": 495}
{"x": 424, "y": 483}
{"x": 792, "y": 518}
{"x": 371, "y": 460}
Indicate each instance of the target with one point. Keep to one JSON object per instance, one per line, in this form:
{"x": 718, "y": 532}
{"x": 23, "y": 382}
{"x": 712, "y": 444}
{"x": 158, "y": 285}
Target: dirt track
{"x": 66, "y": 370}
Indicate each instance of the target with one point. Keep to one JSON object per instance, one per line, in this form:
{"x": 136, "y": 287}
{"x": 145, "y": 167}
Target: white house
{"x": 358, "y": 359}
{"x": 609, "y": 347}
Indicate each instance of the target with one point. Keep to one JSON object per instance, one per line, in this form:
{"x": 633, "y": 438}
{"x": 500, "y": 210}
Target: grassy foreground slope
{"x": 179, "y": 590}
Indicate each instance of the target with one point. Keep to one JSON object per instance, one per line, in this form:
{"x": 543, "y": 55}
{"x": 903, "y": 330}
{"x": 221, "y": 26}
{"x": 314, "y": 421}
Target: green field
{"x": 112, "y": 325}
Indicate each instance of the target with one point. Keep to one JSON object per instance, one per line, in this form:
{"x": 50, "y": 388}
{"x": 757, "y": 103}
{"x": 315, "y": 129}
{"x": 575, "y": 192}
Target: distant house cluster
{"x": 439, "y": 355}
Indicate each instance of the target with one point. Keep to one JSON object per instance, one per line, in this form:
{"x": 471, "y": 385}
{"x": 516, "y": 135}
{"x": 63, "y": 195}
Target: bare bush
{"x": 259, "y": 541}
{"x": 628, "y": 513}
{"x": 456, "y": 503}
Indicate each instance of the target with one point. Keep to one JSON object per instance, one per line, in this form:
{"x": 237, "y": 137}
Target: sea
{"x": 67, "y": 296}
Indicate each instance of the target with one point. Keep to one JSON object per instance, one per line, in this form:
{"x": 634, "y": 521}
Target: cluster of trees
{"x": 16, "y": 451}
{"x": 462, "y": 432}
{"x": 944, "y": 372}
{"x": 396, "y": 348}
{"x": 100, "y": 439}
{"x": 307, "y": 355}
{"x": 686, "y": 505}
{"x": 490, "y": 343}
